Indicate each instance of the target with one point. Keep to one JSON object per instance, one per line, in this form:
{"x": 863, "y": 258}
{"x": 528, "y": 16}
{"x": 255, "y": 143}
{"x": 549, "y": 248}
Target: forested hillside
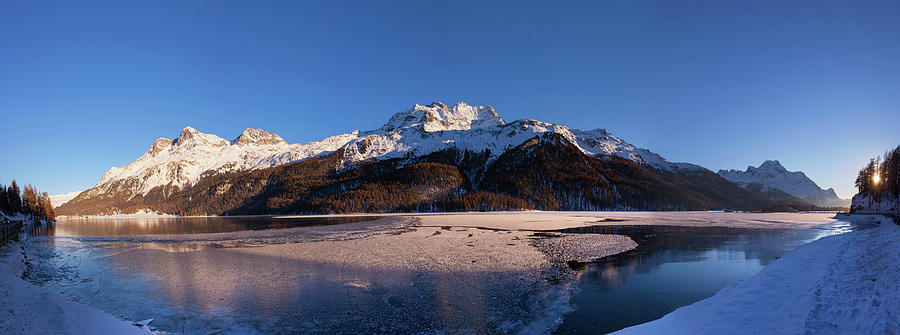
{"x": 546, "y": 172}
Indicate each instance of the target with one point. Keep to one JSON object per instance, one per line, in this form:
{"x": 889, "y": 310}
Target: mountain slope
{"x": 184, "y": 160}
{"x": 546, "y": 172}
{"x": 172, "y": 164}
{"x": 771, "y": 177}
{"x": 427, "y": 158}
{"x": 59, "y": 199}
{"x": 552, "y": 174}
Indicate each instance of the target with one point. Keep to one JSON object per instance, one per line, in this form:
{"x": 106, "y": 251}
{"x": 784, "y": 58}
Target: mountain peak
{"x": 438, "y": 104}
{"x": 188, "y": 132}
{"x": 437, "y": 116}
{"x": 772, "y": 165}
{"x": 159, "y": 145}
{"x": 771, "y": 174}
{"x": 252, "y": 136}
{"x": 194, "y": 136}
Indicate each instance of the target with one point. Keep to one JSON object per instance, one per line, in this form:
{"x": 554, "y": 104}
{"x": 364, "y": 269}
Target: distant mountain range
{"x": 771, "y": 177}
{"x": 59, "y": 199}
{"x": 433, "y": 157}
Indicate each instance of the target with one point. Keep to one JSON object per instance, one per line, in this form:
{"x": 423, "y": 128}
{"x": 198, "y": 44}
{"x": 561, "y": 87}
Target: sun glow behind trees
{"x": 881, "y": 176}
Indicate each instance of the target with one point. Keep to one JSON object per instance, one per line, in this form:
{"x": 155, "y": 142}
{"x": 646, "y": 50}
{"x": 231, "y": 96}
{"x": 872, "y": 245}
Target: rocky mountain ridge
{"x": 422, "y": 129}
{"x": 772, "y": 175}
{"x": 438, "y": 157}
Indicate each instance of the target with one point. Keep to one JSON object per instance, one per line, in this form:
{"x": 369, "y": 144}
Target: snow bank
{"x": 17, "y": 217}
{"x": 864, "y": 203}
{"x": 842, "y": 284}
{"x": 33, "y": 310}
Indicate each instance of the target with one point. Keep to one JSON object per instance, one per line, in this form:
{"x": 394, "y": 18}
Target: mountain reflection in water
{"x": 186, "y": 225}
{"x": 241, "y": 292}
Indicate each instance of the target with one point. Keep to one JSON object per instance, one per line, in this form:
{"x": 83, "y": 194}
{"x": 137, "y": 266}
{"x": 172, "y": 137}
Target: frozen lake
{"x": 198, "y": 275}
{"x": 674, "y": 267}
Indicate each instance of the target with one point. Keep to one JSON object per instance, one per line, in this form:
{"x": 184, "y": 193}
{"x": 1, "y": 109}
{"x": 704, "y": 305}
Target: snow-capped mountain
{"x": 59, "y": 199}
{"x": 183, "y": 160}
{"x": 771, "y": 174}
{"x": 420, "y": 130}
{"x": 424, "y": 129}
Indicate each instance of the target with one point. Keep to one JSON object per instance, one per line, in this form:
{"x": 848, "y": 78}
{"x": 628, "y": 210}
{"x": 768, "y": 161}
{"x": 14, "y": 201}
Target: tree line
{"x": 881, "y": 176}
{"x": 28, "y": 201}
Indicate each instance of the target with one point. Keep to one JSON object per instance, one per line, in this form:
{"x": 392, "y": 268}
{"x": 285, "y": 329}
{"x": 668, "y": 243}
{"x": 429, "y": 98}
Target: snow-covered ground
{"x": 29, "y": 309}
{"x": 866, "y": 204}
{"x": 842, "y": 284}
{"x": 17, "y": 217}
{"x": 539, "y": 220}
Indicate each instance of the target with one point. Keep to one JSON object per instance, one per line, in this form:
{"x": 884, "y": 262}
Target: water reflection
{"x": 185, "y": 225}
{"x": 207, "y": 289}
{"x": 673, "y": 267}
{"x": 187, "y": 286}
{"x": 247, "y": 293}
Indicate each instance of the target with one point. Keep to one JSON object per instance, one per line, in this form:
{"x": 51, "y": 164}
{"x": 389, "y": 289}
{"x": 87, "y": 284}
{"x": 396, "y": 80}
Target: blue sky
{"x": 87, "y": 85}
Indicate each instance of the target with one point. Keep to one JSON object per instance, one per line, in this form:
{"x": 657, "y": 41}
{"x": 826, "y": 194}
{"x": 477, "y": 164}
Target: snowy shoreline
{"x": 499, "y": 245}
{"x": 839, "y": 284}
{"x": 29, "y": 309}
{"x": 463, "y": 243}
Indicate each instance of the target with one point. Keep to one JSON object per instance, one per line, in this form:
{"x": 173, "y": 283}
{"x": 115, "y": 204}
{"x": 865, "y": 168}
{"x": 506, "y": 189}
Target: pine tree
{"x": 4, "y": 200}
{"x": 48, "y": 207}
{"x": 864, "y": 179}
{"x": 28, "y": 200}
{"x": 890, "y": 172}
{"x": 15, "y": 202}
{"x": 32, "y": 198}
{"x": 38, "y": 208}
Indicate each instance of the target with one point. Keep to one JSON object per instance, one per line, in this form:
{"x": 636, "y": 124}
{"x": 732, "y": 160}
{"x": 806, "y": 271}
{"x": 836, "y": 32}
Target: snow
{"x": 419, "y": 138}
{"x": 771, "y": 174}
{"x": 183, "y": 161}
{"x": 546, "y": 221}
{"x": 842, "y": 284}
{"x": 252, "y": 136}
{"x": 438, "y": 116}
{"x": 59, "y": 199}
{"x": 17, "y": 217}
{"x": 420, "y": 130}
{"x": 865, "y": 203}
{"x": 33, "y": 310}
{"x": 483, "y": 280}
{"x": 466, "y": 250}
